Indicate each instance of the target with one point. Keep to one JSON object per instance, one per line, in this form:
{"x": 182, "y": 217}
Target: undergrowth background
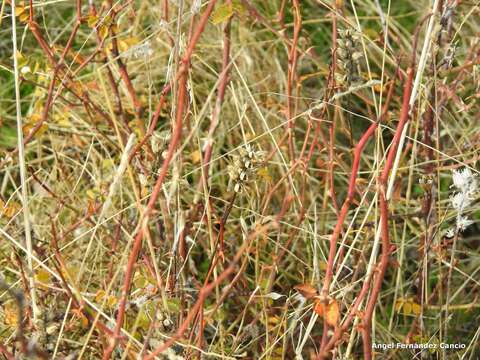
{"x": 239, "y": 179}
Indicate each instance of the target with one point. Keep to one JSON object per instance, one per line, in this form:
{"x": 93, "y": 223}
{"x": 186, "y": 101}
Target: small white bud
{"x": 25, "y": 70}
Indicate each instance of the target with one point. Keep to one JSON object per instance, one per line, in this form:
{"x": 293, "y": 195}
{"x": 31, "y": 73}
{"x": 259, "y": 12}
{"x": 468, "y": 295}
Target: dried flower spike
{"x": 348, "y": 56}
{"x": 244, "y": 166}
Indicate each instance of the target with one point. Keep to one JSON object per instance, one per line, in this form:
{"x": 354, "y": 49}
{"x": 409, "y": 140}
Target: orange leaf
{"x": 81, "y": 316}
{"x": 91, "y": 207}
{"x": 307, "y": 291}
{"x": 332, "y": 314}
{"x": 319, "y": 308}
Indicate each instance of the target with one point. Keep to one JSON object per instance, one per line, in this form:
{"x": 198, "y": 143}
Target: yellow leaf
{"x": 92, "y": 20}
{"x": 10, "y": 209}
{"x": 62, "y": 118}
{"x": 10, "y": 314}
{"x": 332, "y": 313}
{"x": 196, "y": 156}
{"x": 99, "y": 296}
{"x": 399, "y": 305}
{"x": 416, "y": 308}
{"x": 221, "y": 14}
{"x": 122, "y": 46}
{"x": 103, "y": 31}
{"x": 407, "y": 308}
{"x": 28, "y": 127}
{"x": 110, "y": 300}
{"x": 24, "y": 17}
{"x": 20, "y": 58}
{"x": 32, "y": 121}
{"x": 277, "y": 354}
{"x": 19, "y": 10}
{"x": 42, "y": 276}
{"x": 249, "y": 136}
{"x": 131, "y": 41}
{"x": 35, "y": 118}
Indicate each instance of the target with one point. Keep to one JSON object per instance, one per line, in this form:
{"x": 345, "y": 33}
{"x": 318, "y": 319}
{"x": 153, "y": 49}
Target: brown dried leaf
{"x": 307, "y": 291}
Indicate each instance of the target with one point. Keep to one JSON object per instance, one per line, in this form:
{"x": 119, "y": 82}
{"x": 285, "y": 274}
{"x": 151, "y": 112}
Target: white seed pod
{"x": 357, "y": 55}
{"x": 237, "y": 188}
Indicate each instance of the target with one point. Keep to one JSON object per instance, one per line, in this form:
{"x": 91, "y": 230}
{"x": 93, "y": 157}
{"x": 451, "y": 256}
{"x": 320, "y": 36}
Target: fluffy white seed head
{"x": 464, "y": 180}
{"x": 463, "y": 222}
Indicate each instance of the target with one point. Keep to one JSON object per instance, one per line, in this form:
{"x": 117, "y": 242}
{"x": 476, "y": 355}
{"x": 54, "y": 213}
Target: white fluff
{"x": 466, "y": 184}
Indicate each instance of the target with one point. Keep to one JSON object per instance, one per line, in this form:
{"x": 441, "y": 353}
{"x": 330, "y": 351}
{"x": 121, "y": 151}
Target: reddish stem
{"x": 386, "y": 248}
{"x": 176, "y": 135}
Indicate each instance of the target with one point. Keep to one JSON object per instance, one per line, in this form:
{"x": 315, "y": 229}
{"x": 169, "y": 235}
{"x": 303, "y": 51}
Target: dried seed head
{"x": 348, "y": 56}
{"x": 244, "y": 166}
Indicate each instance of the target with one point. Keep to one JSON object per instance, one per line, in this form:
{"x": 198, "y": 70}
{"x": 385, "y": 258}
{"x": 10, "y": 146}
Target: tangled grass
{"x": 239, "y": 179}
